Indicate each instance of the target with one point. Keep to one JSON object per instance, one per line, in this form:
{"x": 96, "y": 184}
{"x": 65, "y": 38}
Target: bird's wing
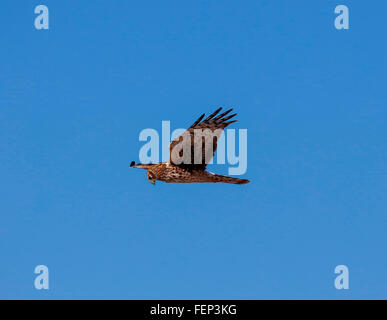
{"x": 190, "y": 150}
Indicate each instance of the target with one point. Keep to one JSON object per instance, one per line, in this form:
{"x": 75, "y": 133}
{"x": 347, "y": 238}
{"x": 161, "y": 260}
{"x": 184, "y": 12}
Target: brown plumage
{"x": 190, "y": 154}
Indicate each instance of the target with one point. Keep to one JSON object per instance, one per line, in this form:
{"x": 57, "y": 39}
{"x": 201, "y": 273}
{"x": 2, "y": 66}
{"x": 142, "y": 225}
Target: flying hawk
{"x": 191, "y": 152}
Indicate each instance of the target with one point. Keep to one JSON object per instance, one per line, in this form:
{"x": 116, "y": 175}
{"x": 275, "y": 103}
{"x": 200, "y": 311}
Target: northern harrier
{"x": 191, "y": 152}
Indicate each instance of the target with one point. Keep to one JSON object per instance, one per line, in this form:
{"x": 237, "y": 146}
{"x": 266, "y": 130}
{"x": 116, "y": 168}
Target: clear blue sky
{"x": 73, "y": 100}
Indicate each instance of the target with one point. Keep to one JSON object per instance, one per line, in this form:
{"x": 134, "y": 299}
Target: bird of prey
{"x": 190, "y": 153}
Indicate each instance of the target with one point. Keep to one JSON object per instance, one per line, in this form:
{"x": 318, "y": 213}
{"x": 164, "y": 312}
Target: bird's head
{"x": 150, "y": 174}
{"x": 151, "y": 177}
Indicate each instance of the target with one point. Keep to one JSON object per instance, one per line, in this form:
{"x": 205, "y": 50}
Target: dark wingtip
{"x": 132, "y": 164}
{"x": 198, "y": 120}
{"x": 212, "y": 115}
{"x": 228, "y": 123}
{"x": 229, "y": 117}
{"x": 244, "y": 181}
{"x": 222, "y": 115}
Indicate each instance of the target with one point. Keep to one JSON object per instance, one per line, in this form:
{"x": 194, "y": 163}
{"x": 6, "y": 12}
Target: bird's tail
{"x": 226, "y": 179}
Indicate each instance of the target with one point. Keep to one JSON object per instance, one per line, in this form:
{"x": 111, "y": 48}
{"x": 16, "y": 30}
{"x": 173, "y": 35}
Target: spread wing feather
{"x": 211, "y": 129}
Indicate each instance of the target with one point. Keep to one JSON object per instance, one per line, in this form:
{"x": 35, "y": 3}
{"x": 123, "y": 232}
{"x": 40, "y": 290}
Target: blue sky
{"x": 74, "y": 98}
